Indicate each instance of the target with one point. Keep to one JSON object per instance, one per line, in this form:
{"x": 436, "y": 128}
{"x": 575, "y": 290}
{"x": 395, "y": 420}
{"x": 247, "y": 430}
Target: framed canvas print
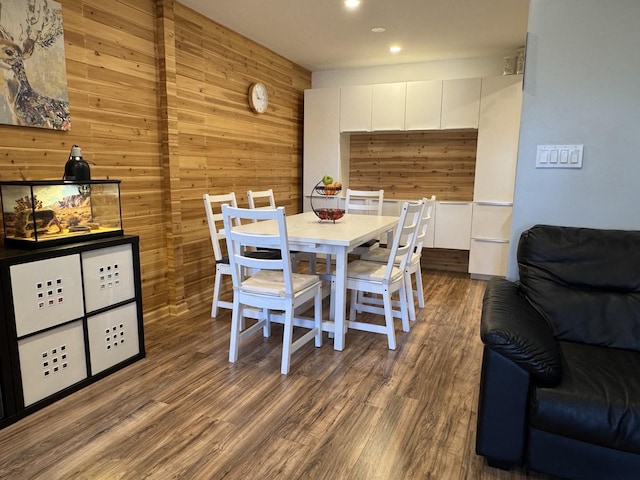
{"x": 33, "y": 86}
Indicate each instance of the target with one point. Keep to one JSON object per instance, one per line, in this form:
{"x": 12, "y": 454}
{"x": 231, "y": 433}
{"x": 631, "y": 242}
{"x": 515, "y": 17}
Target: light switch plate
{"x": 559, "y": 156}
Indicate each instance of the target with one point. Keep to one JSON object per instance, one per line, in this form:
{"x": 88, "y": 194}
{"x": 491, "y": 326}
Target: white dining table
{"x": 307, "y": 234}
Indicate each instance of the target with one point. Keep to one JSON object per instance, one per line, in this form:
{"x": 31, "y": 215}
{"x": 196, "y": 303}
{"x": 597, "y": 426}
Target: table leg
{"x": 340, "y": 299}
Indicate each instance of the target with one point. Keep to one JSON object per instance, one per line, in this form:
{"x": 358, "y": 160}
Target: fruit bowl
{"x": 332, "y": 214}
{"x": 327, "y": 190}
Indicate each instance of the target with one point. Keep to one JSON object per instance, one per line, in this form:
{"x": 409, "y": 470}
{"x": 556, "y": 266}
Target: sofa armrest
{"x": 513, "y": 328}
{"x": 502, "y": 425}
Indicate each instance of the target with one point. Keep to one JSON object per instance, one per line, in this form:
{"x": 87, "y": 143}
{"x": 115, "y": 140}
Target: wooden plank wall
{"x": 168, "y": 134}
{"x": 412, "y": 165}
{"x": 112, "y": 78}
{"x": 224, "y": 146}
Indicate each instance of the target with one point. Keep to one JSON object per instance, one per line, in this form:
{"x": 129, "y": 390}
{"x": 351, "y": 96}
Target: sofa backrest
{"x": 585, "y": 282}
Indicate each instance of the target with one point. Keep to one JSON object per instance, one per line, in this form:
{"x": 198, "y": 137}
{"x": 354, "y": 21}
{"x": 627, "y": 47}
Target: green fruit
{"x": 327, "y": 179}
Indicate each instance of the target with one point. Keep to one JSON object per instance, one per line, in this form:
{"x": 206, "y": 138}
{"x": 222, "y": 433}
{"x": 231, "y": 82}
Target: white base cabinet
{"x": 490, "y": 232}
{"x": 452, "y": 226}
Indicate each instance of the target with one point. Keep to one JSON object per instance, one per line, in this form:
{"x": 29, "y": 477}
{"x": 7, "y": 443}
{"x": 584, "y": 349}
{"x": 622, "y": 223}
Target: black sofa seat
{"x": 597, "y": 401}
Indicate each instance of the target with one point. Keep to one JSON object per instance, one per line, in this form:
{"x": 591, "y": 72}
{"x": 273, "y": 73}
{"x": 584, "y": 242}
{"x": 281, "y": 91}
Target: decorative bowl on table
{"x": 329, "y": 213}
{"x": 321, "y": 190}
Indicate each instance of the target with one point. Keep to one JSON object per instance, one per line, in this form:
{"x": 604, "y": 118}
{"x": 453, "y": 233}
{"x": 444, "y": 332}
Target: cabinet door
{"x": 46, "y": 293}
{"x": 490, "y": 232}
{"x": 388, "y": 106}
{"x": 321, "y": 147}
{"x": 498, "y": 131}
{"x": 51, "y": 360}
{"x": 355, "y": 108}
{"x": 453, "y": 225}
{"x": 108, "y": 276}
{"x": 488, "y": 257}
{"x": 113, "y": 337}
{"x": 460, "y": 103}
{"x": 423, "y": 105}
{"x": 491, "y": 221}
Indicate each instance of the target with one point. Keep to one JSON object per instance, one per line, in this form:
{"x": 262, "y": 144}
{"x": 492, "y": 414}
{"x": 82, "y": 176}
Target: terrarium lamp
{"x": 77, "y": 170}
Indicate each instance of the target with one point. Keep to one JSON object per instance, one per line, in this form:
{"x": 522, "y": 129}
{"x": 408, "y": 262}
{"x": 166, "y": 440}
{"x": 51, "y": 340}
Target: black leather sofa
{"x": 560, "y": 382}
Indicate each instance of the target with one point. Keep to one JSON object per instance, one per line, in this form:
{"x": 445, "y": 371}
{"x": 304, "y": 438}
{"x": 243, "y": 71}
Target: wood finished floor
{"x": 364, "y": 413}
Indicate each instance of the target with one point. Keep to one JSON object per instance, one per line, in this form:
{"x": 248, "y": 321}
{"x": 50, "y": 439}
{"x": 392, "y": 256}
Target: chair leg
{"x": 266, "y": 330}
{"x": 404, "y": 314}
{"x": 216, "y": 294}
{"x": 419, "y": 290}
{"x": 318, "y": 316}
{"x": 388, "y": 317}
{"x": 409, "y": 296}
{"x": 332, "y": 300}
{"x": 327, "y": 264}
{"x": 352, "y": 305}
{"x": 236, "y": 314}
{"x": 287, "y": 340}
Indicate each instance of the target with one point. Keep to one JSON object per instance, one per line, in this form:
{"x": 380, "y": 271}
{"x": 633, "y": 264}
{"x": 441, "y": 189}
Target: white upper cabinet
{"x": 460, "y": 103}
{"x": 498, "y": 132}
{"x": 321, "y": 147}
{"x": 388, "y": 106}
{"x": 423, "y": 105}
{"x": 355, "y": 108}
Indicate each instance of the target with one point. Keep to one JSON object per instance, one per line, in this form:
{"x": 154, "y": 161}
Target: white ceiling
{"x": 324, "y": 35}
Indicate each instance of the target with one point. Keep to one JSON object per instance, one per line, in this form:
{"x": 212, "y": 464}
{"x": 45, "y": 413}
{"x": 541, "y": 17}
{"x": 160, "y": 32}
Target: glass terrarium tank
{"x": 53, "y": 212}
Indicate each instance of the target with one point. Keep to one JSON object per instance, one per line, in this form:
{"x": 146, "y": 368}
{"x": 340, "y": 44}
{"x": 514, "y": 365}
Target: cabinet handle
{"x": 454, "y": 203}
{"x": 495, "y": 204}
{"x": 489, "y": 240}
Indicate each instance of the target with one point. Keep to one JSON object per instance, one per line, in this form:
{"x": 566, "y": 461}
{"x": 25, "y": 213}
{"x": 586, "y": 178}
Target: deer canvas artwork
{"x": 33, "y": 88}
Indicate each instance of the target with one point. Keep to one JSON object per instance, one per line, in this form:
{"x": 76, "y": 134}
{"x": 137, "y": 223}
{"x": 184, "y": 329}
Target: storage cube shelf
{"x": 70, "y": 315}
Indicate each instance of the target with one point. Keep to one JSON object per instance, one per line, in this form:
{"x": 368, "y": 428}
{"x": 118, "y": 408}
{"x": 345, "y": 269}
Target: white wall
{"x": 440, "y": 70}
{"x": 582, "y": 86}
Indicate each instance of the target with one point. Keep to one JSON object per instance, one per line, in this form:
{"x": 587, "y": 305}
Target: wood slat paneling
{"x": 157, "y": 96}
{"x": 224, "y": 146}
{"x": 415, "y": 165}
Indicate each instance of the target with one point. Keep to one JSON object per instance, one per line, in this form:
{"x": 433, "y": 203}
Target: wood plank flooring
{"x": 364, "y": 413}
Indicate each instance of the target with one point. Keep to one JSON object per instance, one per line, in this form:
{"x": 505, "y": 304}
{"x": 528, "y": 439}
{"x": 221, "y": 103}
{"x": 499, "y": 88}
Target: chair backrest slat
{"x": 425, "y": 222}
{"x": 368, "y": 202}
{"x": 257, "y": 199}
{"x": 406, "y": 230}
{"x": 215, "y": 218}
{"x": 242, "y": 245}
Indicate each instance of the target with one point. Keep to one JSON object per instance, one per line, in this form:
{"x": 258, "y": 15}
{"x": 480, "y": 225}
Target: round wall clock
{"x": 258, "y": 97}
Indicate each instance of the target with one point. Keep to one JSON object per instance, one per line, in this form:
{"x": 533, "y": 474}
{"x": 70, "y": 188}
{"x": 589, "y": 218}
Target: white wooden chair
{"x": 223, "y": 267}
{"x": 263, "y": 200}
{"x": 385, "y": 279}
{"x": 273, "y": 286}
{"x": 413, "y": 267}
{"x": 364, "y": 202}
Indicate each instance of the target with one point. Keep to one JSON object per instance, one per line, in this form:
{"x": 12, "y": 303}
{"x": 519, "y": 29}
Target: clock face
{"x": 258, "y": 97}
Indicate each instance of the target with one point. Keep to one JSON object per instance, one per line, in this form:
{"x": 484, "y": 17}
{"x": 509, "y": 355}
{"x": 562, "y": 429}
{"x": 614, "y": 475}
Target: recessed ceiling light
{"x": 395, "y": 49}
{"x": 351, "y": 3}
{"x": 378, "y": 29}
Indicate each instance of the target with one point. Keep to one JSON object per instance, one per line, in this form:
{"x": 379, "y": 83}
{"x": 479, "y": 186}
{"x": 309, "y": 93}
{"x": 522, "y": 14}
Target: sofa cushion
{"x": 597, "y": 401}
{"x": 585, "y": 282}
